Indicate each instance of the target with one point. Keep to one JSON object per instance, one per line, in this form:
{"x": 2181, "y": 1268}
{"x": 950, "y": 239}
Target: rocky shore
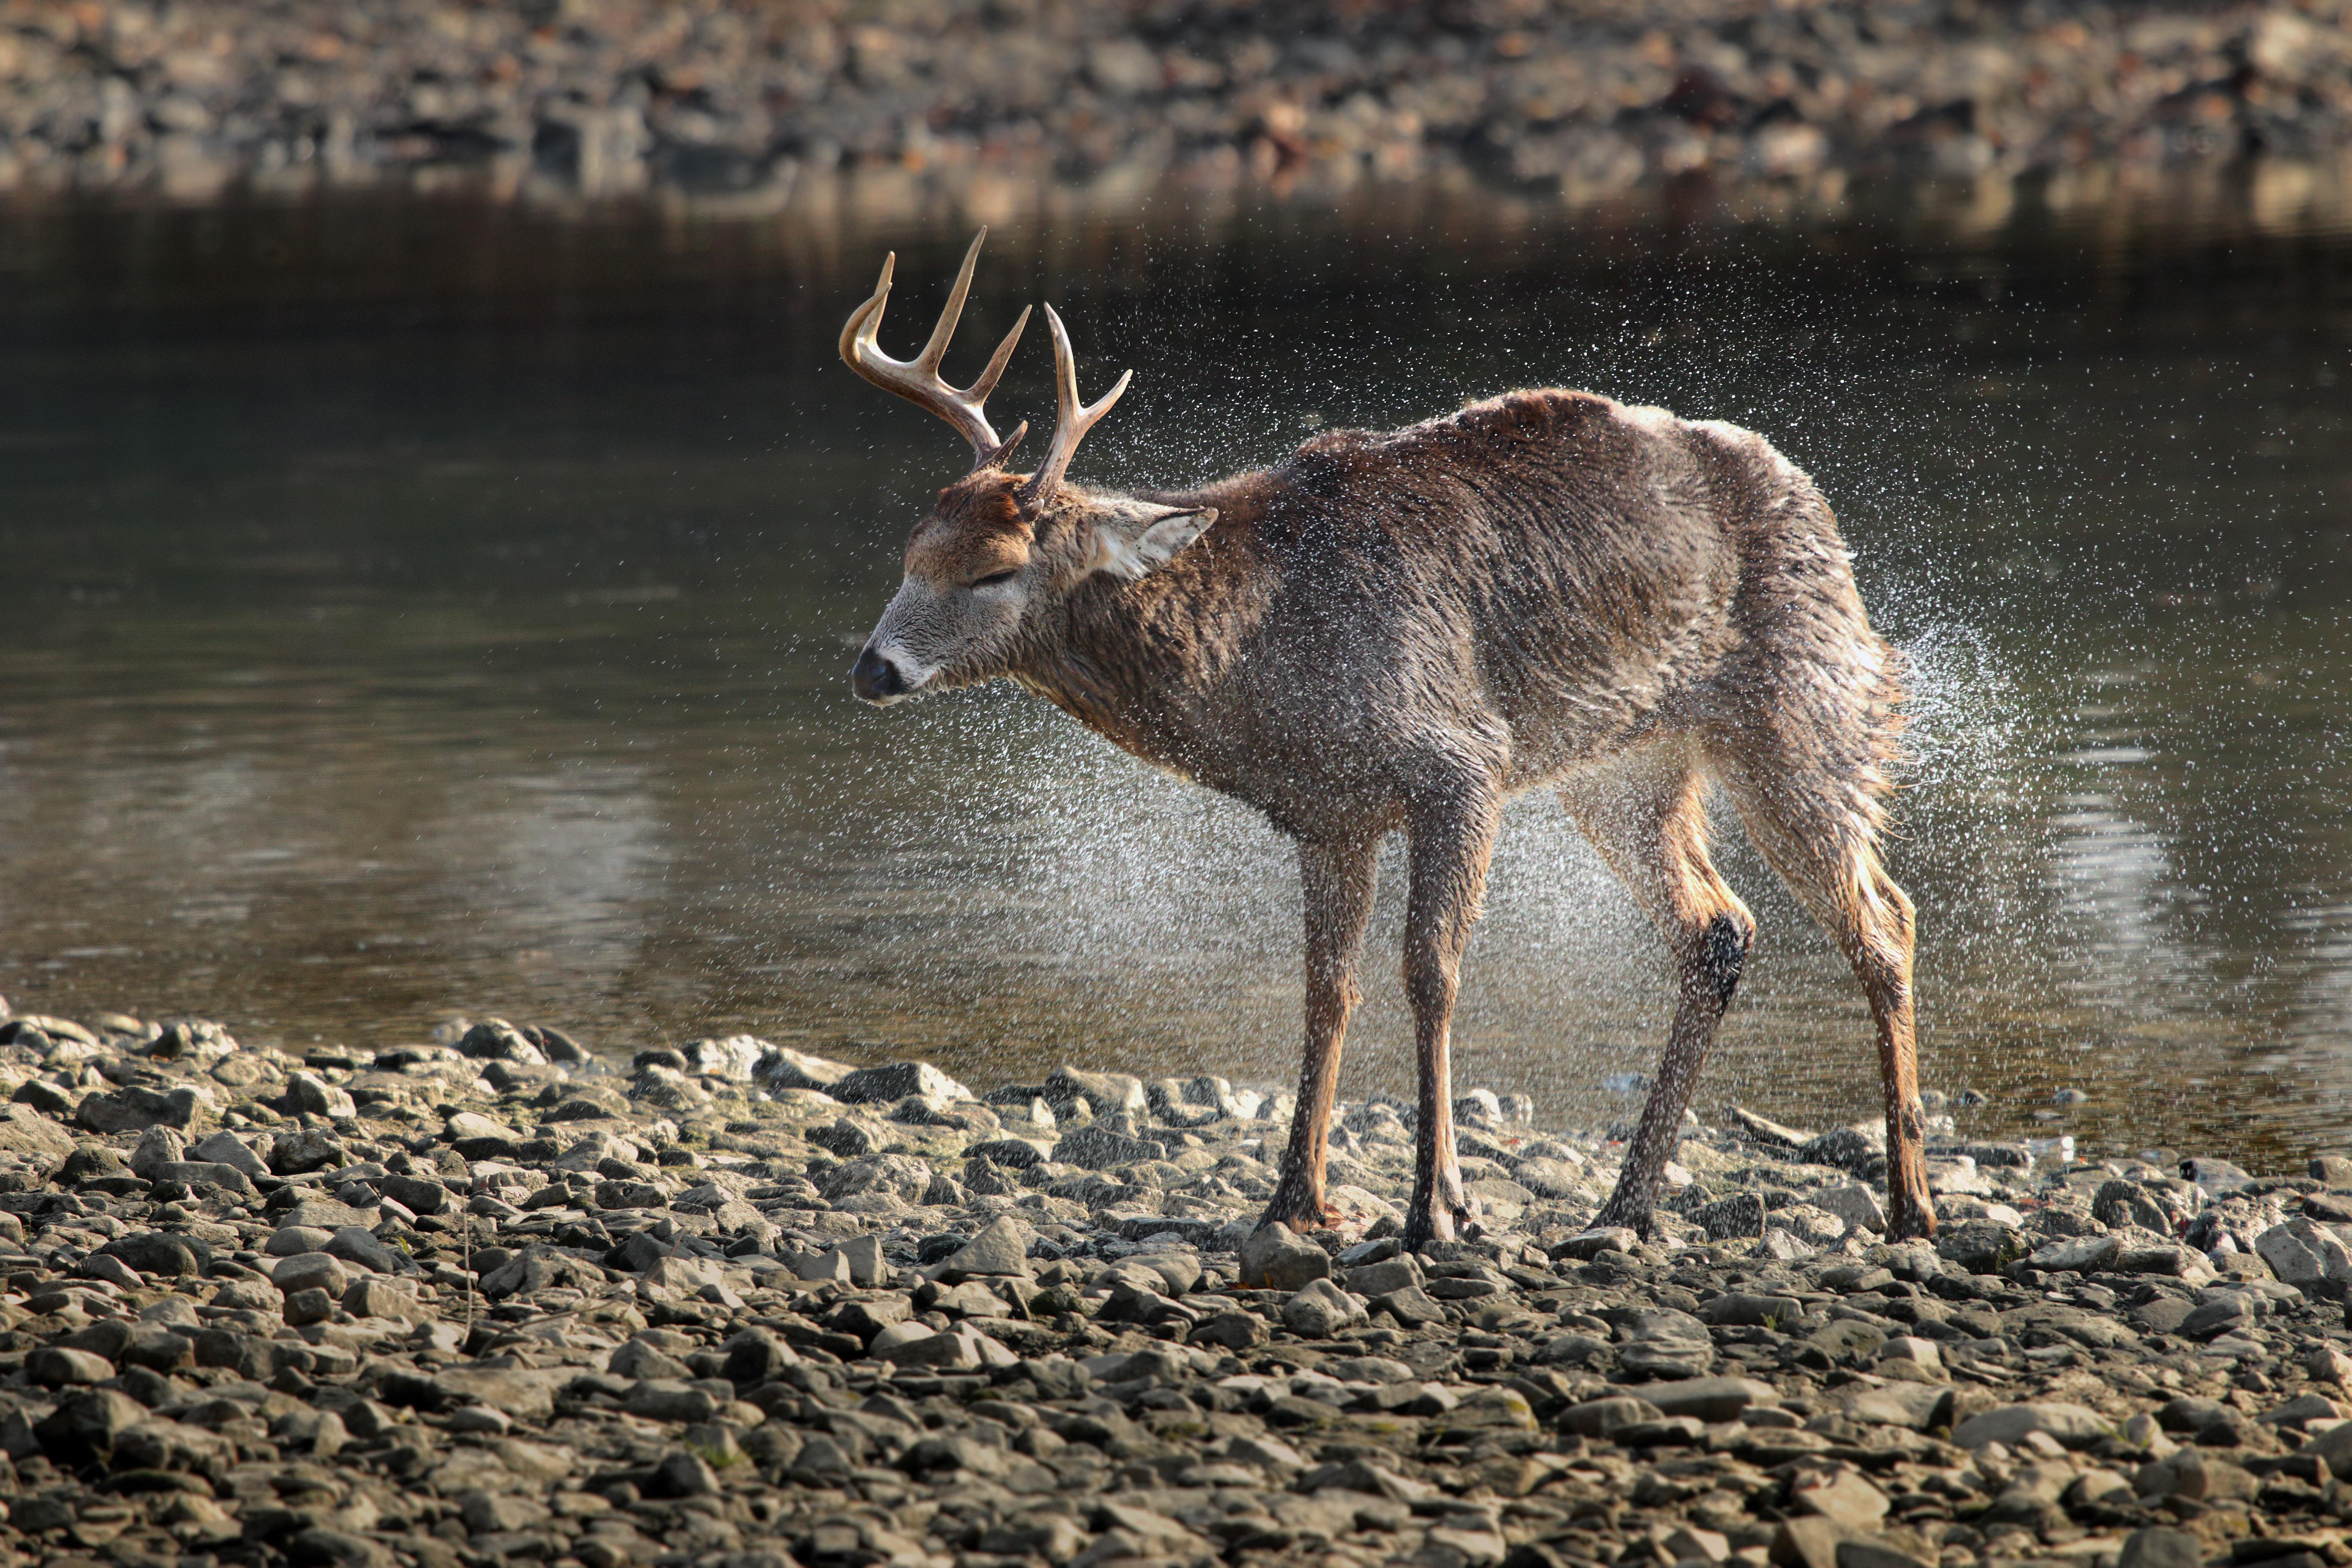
{"x": 738, "y": 99}
{"x": 496, "y": 1299}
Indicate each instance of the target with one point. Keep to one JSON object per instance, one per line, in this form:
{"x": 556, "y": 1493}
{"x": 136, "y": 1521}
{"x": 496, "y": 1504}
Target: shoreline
{"x": 740, "y": 103}
{"x": 445, "y": 1305}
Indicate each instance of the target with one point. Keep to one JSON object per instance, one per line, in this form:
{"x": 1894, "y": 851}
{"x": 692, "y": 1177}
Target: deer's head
{"x": 1000, "y": 551}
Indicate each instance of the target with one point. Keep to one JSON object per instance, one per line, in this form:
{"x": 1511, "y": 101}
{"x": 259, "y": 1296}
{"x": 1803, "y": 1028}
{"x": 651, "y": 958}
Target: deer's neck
{"x": 1144, "y": 664}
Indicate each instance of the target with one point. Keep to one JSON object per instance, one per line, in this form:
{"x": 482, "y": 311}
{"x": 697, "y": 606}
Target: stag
{"x": 1403, "y": 630}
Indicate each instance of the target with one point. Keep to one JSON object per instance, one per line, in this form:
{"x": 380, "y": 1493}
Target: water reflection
{"x": 451, "y": 615}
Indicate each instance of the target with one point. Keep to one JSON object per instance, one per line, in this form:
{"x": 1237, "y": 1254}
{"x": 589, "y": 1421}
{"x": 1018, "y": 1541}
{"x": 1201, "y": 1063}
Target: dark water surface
{"x": 417, "y": 610}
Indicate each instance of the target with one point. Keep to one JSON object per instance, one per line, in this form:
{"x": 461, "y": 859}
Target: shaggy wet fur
{"x": 1400, "y": 631}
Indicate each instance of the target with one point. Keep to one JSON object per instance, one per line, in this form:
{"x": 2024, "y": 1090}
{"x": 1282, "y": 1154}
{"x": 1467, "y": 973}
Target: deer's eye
{"x": 995, "y": 578}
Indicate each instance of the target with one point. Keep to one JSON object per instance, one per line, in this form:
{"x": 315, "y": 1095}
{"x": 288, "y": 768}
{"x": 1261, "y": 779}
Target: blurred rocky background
{"x": 740, "y": 101}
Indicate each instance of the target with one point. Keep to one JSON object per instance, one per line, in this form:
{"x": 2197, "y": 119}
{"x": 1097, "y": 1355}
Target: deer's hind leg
{"x": 1818, "y": 824}
{"x": 1647, "y": 817}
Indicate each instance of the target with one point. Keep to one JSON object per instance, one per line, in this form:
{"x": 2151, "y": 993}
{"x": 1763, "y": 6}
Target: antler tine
{"x": 1071, "y": 421}
{"x": 917, "y": 380}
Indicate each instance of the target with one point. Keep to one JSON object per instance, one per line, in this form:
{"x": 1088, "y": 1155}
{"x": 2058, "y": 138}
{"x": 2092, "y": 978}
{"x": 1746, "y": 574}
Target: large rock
{"x": 1711, "y": 1398}
{"x": 1103, "y": 1093}
{"x": 160, "y": 1254}
{"x": 495, "y": 1039}
{"x": 135, "y": 1107}
{"x": 2077, "y": 1254}
{"x": 2072, "y": 1426}
{"x": 1001, "y": 1250}
{"x": 1101, "y": 1149}
{"x": 1276, "y": 1257}
{"x": 1667, "y": 1344}
{"x": 538, "y": 1268}
{"x": 785, "y": 1068}
{"x": 1319, "y": 1309}
{"x": 733, "y": 1057}
{"x": 225, "y": 1148}
{"x": 1981, "y": 1246}
{"x": 2307, "y": 1256}
{"x": 891, "y": 1083}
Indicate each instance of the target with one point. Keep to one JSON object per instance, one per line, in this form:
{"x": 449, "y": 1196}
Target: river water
{"x": 420, "y": 608}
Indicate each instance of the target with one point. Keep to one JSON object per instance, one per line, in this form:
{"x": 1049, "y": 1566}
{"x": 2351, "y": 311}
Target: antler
{"x": 917, "y": 380}
{"x": 1071, "y": 423}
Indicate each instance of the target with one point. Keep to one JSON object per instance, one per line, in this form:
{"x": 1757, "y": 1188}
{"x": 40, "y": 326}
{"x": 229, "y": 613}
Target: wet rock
{"x": 885, "y": 1085}
{"x": 781, "y": 1067}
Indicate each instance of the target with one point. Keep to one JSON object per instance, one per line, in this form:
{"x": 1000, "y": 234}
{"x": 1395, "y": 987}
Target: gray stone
{"x": 1710, "y": 1399}
{"x": 1665, "y": 1344}
{"x": 136, "y": 1108}
{"x": 2158, "y": 1546}
{"x": 1103, "y": 1093}
{"x": 886, "y": 1085}
{"x": 1981, "y": 1246}
{"x": 785, "y": 1068}
{"x": 1276, "y": 1257}
{"x": 309, "y": 1271}
{"x": 2070, "y": 1425}
{"x": 160, "y": 1254}
{"x": 224, "y": 1147}
{"x": 2077, "y": 1255}
{"x": 1101, "y": 1149}
{"x": 307, "y": 1092}
{"x": 1401, "y": 1272}
{"x": 1861, "y": 1149}
{"x": 1319, "y": 1309}
{"x": 2307, "y": 1256}
{"x": 1602, "y": 1418}
{"x": 1001, "y": 1247}
{"x": 323, "y": 1214}
{"x": 495, "y": 1039}
{"x": 1413, "y": 1307}
{"x": 357, "y": 1244}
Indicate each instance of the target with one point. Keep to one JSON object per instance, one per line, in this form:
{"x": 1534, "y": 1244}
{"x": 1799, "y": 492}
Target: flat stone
{"x": 1601, "y": 1417}
{"x": 1917, "y": 1406}
{"x": 1845, "y": 1498}
{"x": 1101, "y": 1149}
{"x": 2077, "y": 1254}
{"x": 1710, "y": 1399}
{"x": 324, "y": 1214}
{"x": 2071, "y": 1425}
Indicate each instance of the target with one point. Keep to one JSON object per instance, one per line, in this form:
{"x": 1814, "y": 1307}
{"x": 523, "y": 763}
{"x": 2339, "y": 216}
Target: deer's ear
{"x": 1134, "y": 543}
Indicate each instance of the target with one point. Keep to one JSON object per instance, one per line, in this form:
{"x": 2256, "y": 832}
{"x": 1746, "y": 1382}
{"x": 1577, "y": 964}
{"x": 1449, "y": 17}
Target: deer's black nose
{"x": 876, "y": 678}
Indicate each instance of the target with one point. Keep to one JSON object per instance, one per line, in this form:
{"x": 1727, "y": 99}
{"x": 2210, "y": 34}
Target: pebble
{"x": 663, "y": 1316}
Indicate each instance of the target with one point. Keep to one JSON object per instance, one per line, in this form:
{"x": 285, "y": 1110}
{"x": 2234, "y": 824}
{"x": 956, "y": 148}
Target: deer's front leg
{"x": 1337, "y": 880}
{"x": 1451, "y": 841}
